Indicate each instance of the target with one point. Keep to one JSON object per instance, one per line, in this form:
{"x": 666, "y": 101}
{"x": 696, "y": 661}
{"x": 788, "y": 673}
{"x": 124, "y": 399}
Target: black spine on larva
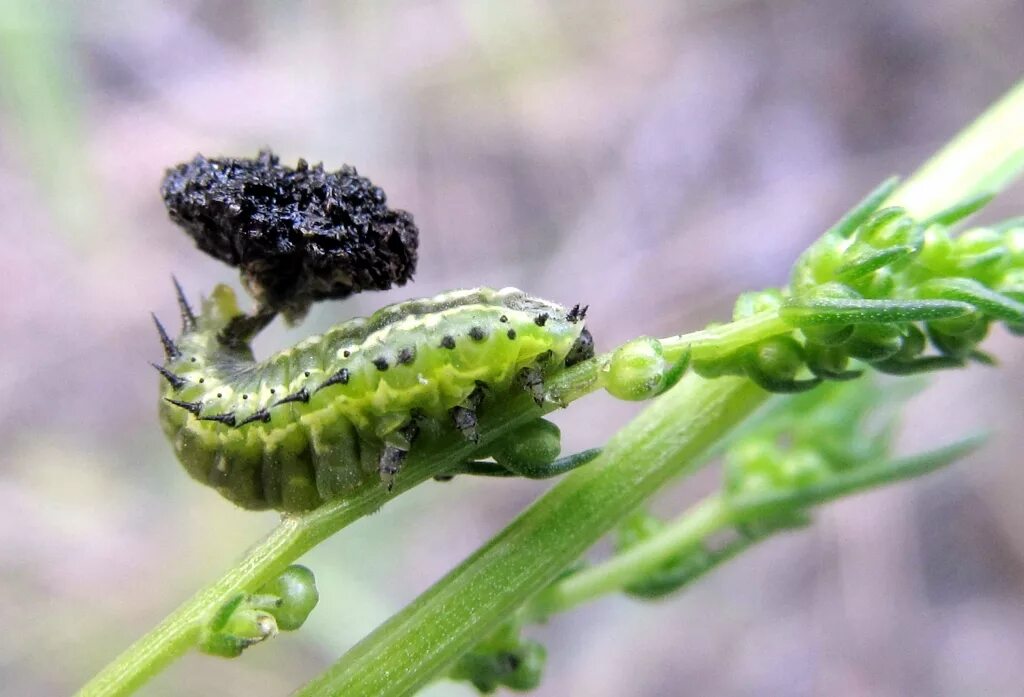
{"x": 188, "y": 318}
{"x": 297, "y": 235}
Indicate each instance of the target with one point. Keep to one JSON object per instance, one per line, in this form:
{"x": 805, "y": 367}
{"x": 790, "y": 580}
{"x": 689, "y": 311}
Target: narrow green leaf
{"x": 803, "y": 313}
{"x": 970, "y": 291}
{"x": 853, "y": 219}
{"x": 872, "y": 261}
{"x": 853, "y": 481}
{"x": 961, "y": 210}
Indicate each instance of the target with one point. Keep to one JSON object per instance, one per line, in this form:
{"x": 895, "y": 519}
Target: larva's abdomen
{"x": 310, "y": 424}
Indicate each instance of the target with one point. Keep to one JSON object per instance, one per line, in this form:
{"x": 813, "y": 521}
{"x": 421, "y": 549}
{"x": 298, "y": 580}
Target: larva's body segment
{"x": 312, "y": 422}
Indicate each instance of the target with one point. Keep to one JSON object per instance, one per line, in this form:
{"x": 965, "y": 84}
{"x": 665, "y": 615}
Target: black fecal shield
{"x": 297, "y": 235}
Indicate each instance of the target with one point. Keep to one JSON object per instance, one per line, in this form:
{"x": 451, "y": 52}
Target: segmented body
{"x": 316, "y": 421}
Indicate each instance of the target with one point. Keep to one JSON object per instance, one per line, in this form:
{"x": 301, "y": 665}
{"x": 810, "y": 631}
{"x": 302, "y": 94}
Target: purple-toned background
{"x": 651, "y": 159}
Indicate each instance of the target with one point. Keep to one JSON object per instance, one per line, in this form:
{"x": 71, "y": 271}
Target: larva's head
{"x": 297, "y": 235}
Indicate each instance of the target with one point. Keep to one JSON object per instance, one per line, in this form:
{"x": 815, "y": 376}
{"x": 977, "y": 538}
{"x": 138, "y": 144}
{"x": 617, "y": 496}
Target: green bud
{"x": 801, "y": 468}
{"x": 636, "y": 370}
{"x": 914, "y": 344}
{"x": 297, "y": 595}
{"x": 960, "y": 345}
{"x": 529, "y": 448}
{"x": 526, "y": 666}
{"x": 829, "y": 361}
{"x": 752, "y": 465}
{"x": 827, "y": 334}
{"x": 887, "y": 227}
{"x": 874, "y": 342}
{"x": 937, "y": 253}
{"x": 955, "y": 326}
{"x": 778, "y": 358}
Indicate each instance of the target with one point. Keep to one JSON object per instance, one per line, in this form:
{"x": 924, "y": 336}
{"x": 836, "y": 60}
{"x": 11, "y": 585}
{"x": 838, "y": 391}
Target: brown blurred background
{"x": 651, "y": 159}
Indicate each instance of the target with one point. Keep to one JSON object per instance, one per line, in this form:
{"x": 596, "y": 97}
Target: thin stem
{"x": 716, "y": 513}
{"x": 721, "y": 340}
{"x": 631, "y": 565}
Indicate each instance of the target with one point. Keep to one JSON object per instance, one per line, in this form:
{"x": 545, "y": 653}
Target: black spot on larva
{"x": 339, "y": 378}
{"x": 577, "y": 313}
{"x": 193, "y": 407}
{"x": 219, "y": 395}
{"x": 381, "y": 363}
{"x": 406, "y": 355}
{"x": 306, "y": 373}
{"x": 258, "y": 415}
{"x": 300, "y": 396}
{"x": 176, "y": 381}
{"x": 202, "y": 380}
{"x": 346, "y": 353}
{"x": 541, "y": 319}
{"x": 511, "y": 333}
{"x": 193, "y": 359}
{"x": 273, "y": 391}
{"x": 503, "y": 318}
{"x": 477, "y": 334}
{"x": 245, "y": 396}
{"x": 297, "y": 235}
{"x": 448, "y": 342}
{"x": 227, "y": 418}
{"x": 170, "y": 349}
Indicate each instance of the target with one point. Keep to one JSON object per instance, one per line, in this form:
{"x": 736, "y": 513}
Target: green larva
{"x": 316, "y": 421}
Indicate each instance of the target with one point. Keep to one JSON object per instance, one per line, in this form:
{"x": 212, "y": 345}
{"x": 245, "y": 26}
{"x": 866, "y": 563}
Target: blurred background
{"x": 651, "y": 159}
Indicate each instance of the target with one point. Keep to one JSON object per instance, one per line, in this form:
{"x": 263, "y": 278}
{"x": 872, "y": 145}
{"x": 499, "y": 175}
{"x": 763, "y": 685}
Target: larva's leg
{"x": 393, "y": 456}
{"x": 337, "y": 458}
{"x": 464, "y": 416}
{"x": 391, "y": 459}
{"x": 532, "y": 380}
{"x": 465, "y": 421}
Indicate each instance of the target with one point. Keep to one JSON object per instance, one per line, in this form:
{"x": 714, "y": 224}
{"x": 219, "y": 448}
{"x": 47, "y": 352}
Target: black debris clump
{"x": 297, "y": 235}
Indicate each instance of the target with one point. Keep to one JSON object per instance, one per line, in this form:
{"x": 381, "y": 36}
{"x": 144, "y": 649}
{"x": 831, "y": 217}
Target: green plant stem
{"x": 665, "y": 440}
{"x": 718, "y": 341}
{"x": 982, "y": 158}
{"x": 686, "y": 532}
{"x": 418, "y": 644}
{"x": 716, "y": 513}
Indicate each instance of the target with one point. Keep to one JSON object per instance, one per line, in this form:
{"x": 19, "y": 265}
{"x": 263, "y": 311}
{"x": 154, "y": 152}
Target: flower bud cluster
{"x": 885, "y": 290}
